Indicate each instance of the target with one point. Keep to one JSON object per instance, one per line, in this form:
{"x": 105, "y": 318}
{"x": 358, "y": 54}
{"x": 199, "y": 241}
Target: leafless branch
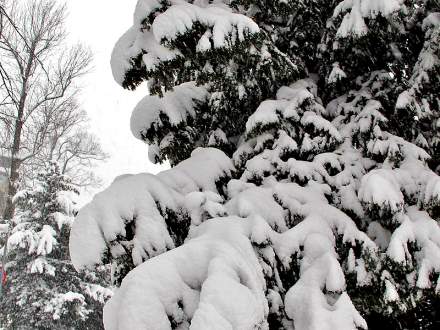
{"x": 40, "y": 118}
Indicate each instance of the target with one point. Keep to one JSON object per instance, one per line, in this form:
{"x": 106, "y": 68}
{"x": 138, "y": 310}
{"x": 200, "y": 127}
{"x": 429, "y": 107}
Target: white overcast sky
{"x": 98, "y": 24}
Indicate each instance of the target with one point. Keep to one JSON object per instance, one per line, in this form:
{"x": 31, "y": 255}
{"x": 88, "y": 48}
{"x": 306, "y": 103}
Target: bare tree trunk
{"x": 14, "y": 174}
{"x": 15, "y": 166}
{"x": 15, "y": 161}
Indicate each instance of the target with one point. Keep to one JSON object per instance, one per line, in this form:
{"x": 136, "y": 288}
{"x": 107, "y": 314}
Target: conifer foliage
{"x": 43, "y": 290}
{"x": 305, "y": 188}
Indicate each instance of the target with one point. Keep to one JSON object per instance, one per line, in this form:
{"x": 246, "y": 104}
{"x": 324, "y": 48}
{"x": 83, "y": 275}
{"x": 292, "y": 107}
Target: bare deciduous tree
{"x": 66, "y": 140}
{"x": 38, "y": 109}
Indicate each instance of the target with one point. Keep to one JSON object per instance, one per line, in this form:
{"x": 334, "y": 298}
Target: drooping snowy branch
{"x": 141, "y": 216}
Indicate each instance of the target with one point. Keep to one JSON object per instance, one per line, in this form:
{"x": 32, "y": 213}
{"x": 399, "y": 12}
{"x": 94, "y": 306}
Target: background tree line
{"x": 40, "y": 114}
{"x": 47, "y": 156}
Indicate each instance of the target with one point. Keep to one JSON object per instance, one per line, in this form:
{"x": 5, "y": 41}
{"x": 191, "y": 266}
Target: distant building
{"x": 5, "y": 162}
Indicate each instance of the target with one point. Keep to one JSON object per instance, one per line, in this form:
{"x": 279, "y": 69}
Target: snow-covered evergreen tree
{"x": 201, "y": 61}
{"x": 383, "y": 57}
{"x": 43, "y": 290}
{"x": 311, "y": 196}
